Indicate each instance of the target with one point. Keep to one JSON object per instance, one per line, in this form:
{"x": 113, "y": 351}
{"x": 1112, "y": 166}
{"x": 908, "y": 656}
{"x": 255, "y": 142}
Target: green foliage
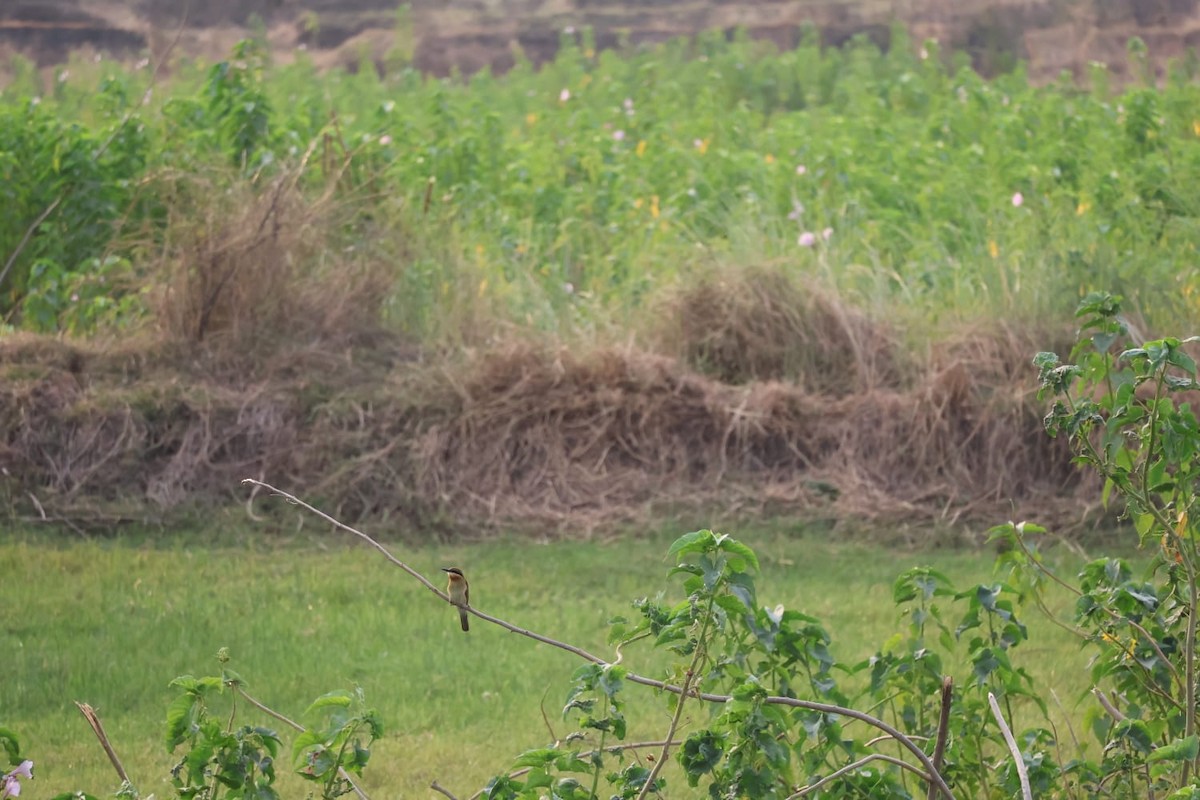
{"x": 238, "y": 763}
{"x": 1127, "y": 415}
{"x": 587, "y": 185}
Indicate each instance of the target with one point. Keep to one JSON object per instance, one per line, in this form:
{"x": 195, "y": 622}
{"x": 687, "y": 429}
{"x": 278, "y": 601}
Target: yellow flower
{"x": 993, "y": 248}
{"x": 701, "y": 145}
{"x": 530, "y": 118}
{"x": 654, "y": 206}
{"x": 1082, "y": 208}
{"x": 770, "y": 159}
{"x": 637, "y": 203}
{"x": 641, "y": 148}
{"x": 1196, "y": 126}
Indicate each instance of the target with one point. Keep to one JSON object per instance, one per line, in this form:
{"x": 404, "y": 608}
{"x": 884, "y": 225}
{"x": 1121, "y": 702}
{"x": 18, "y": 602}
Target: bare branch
{"x": 828, "y": 708}
{"x": 90, "y": 715}
{"x": 1018, "y": 759}
{"x": 943, "y": 732}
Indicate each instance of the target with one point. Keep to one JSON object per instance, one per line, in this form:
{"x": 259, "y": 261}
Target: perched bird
{"x": 460, "y": 593}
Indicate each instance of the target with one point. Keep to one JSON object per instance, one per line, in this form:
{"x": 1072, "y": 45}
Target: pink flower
{"x": 564, "y": 95}
{"x": 826, "y": 234}
{"x": 807, "y": 239}
{"x": 1017, "y": 200}
{"x": 10, "y": 784}
{"x": 385, "y": 140}
{"x": 619, "y": 135}
{"x": 801, "y": 169}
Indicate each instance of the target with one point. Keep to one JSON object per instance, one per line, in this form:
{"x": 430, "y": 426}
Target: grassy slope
{"x": 110, "y": 623}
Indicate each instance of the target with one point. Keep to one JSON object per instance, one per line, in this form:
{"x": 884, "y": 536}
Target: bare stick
{"x": 853, "y": 766}
{"x": 1022, "y": 774}
{"x": 89, "y": 714}
{"x": 1107, "y": 705}
{"x": 437, "y": 787}
{"x": 939, "y": 749}
{"x": 793, "y": 702}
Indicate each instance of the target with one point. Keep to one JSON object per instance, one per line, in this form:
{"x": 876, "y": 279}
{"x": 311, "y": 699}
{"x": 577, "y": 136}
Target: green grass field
{"x": 112, "y": 622}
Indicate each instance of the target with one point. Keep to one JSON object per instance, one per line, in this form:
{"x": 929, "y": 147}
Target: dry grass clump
{"x": 566, "y": 437}
{"x": 268, "y": 360}
{"x": 251, "y": 265}
{"x": 766, "y": 324}
{"x": 536, "y": 437}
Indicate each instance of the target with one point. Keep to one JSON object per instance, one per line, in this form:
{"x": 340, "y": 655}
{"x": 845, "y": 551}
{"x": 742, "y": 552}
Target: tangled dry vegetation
{"x": 265, "y": 358}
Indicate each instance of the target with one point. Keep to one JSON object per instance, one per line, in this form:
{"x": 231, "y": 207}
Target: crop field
{"x": 515, "y": 322}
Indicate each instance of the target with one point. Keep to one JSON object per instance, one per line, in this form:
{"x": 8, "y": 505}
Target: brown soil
{"x": 1051, "y": 35}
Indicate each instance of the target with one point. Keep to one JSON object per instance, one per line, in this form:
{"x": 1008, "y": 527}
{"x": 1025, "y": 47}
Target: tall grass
{"x": 562, "y": 199}
{"x": 110, "y": 623}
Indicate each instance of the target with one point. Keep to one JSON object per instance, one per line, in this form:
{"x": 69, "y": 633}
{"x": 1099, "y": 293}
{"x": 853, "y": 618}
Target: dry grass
{"x": 766, "y": 324}
{"x": 556, "y": 439}
{"x": 251, "y": 266}
{"x": 266, "y": 357}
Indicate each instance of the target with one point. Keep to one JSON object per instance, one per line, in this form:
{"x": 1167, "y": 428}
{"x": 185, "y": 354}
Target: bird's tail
{"x": 462, "y": 617}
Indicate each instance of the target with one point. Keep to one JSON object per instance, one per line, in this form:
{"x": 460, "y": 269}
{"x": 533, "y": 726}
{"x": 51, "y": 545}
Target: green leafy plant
{"x": 1127, "y": 415}
{"x": 224, "y": 760}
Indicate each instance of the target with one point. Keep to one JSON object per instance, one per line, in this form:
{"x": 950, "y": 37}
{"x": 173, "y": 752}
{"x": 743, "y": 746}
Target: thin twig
{"x": 89, "y": 714}
{"x": 437, "y": 787}
{"x": 342, "y": 773}
{"x": 853, "y": 766}
{"x": 1018, "y": 759}
{"x": 792, "y": 702}
{"x": 1108, "y": 706}
{"x": 666, "y": 748}
{"x": 12, "y": 259}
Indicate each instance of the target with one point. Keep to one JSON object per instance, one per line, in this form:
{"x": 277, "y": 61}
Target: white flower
{"x": 826, "y": 234}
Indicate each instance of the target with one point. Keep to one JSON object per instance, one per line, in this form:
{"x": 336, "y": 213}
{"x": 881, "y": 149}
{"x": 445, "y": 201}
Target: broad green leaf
{"x": 338, "y": 699}
{"x": 538, "y": 757}
{"x": 695, "y": 542}
{"x": 180, "y": 719}
{"x": 1179, "y": 750}
{"x": 11, "y": 745}
{"x": 734, "y": 546}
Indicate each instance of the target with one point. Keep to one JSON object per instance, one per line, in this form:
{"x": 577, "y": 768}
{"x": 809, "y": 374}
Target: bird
{"x": 460, "y": 593}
